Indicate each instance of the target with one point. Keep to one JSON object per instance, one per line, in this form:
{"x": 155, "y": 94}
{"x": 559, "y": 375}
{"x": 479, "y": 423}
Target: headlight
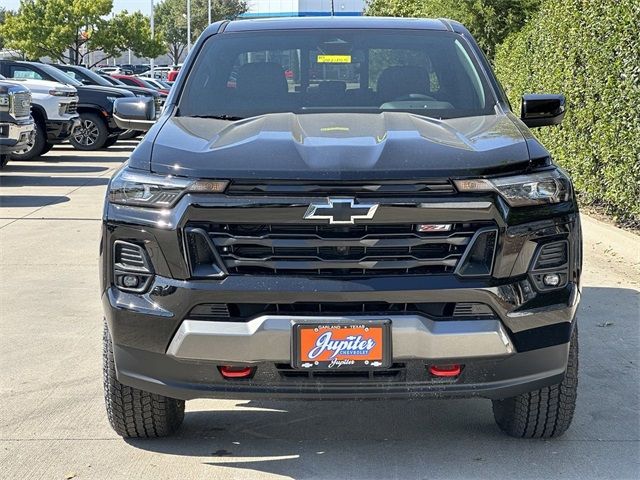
{"x": 59, "y": 93}
{"x": 538, "y": 188}
{"x": 141, "y": 189}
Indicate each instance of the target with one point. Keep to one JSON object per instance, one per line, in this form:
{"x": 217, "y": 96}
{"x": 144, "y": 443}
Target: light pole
{"x": 152, "y": 35}
{"x": 188, "y": 26}
{"x": 209, "y": 12}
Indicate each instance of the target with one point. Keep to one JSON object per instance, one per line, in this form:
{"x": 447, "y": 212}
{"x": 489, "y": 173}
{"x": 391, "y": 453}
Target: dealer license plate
{"x": 342, "y": 345}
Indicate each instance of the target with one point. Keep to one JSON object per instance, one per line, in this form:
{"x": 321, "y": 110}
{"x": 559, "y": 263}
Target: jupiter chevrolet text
{"x": 340, "y": 208}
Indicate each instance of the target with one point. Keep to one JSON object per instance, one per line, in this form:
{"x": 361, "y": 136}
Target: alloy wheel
{"x": 87, "y": 133}
{"x": 28, "y": 146}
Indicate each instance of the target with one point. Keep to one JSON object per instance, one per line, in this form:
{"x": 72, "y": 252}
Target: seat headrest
{"x": 397, "y": 81}
{"x": 332, "y": 87}
{"x": 261, "y": 79}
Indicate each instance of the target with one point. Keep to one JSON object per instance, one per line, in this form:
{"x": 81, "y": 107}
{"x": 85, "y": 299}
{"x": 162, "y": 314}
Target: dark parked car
{"x": 400, "y": 234}
{"x": 139, "y": 82}
{"x": 97, "y": 128}
{"x": 135, "y": 69}
{"x": 89, "y": 77}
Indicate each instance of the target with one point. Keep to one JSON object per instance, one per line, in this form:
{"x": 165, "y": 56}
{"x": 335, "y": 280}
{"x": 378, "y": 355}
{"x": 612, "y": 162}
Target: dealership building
{"x": 303, "y": 8}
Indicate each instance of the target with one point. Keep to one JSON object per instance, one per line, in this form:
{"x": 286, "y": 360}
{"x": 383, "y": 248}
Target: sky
{"x": 131, "y": 5}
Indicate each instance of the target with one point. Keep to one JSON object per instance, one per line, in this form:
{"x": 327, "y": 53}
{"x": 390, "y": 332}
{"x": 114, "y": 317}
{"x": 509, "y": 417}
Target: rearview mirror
{"x": 134, "y": 113}
{"x": 540, "y": 110}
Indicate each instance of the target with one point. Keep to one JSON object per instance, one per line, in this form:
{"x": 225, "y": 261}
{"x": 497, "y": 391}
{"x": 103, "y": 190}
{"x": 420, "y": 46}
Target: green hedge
{"x": 590, "y": 51}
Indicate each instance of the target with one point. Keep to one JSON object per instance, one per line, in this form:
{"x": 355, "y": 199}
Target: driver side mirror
{"x": 540, "y": 110}
{"x": 134, "y": 113}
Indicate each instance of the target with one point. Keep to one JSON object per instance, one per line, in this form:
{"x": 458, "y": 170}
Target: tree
{"x": 489, "y": 21}
{"x": 590, "y": 52}
{"x": 69, "y": 30}
{"x": 171, "y": 21}
{"x": 3, "y": 14}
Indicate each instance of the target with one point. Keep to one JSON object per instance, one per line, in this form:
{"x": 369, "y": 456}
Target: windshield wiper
{"x": 231, "y": 118}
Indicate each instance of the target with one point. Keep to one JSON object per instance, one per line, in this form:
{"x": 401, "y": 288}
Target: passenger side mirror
{"x": 540, "y": 110}
{"x": 134, "y": 113}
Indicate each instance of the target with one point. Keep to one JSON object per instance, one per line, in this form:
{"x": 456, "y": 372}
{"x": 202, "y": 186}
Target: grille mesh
{"x": 17, "y": 108}
{"x": 72, "y": 108}
{"x": 368, "y": 249}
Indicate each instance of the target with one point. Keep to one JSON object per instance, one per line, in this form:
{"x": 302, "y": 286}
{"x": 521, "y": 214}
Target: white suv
{"x": 54, "y": 110}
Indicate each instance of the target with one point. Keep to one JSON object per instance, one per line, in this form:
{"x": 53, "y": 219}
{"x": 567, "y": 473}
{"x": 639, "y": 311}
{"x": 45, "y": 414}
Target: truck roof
{"x": 334, "y": 22}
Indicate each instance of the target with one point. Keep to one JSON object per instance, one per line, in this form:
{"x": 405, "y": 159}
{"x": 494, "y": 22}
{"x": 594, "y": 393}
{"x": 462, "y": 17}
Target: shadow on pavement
{"x": 435, "y": 438}
{"x": 27, "y": 168}
{"x": 30, "y": 200}
{"x": 46, "y": 181}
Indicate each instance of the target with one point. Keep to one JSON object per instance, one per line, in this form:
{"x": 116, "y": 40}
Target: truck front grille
{"x": 21, "y": 105}
{"x": 333, "y": 250}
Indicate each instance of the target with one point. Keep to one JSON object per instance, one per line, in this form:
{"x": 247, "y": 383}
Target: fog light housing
{"x": 130, "y": 281}
{"x": 551, "y": 280}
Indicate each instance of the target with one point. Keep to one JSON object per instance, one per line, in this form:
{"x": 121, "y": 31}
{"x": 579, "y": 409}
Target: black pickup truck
{"x": 97, "y": 127}
{"x": 89, "y": 77}
{"x": 340, "y": 208}
{"x": 16, "y": 124}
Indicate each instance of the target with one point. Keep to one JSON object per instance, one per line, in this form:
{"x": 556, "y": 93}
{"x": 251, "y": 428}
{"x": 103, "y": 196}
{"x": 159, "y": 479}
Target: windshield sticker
{"x": 334, "y": 59}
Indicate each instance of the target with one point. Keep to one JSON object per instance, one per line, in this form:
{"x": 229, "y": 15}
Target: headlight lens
{"x": 59, "y": 93}
{"x": 538, "y": 188}
{"x": 142, "y": 189}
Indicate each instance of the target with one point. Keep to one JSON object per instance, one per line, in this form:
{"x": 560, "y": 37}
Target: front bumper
{"x": 487, "y": 378}
{"x": 60, "y": 130}
{"x": 158, "y": 348}
{"x": 15, "y": 135}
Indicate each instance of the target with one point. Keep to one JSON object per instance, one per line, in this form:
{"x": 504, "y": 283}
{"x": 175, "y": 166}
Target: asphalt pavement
{"x": 52, "y": 419}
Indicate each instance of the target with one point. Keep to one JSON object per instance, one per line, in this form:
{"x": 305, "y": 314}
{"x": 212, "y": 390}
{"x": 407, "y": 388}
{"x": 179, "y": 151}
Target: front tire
{"x": 4, "y": 159}
{"x": 34, "y": 148}
{"x": 134, "y": 413}
{"x": 543, "y": 413}
{"x": 91, "y": 134}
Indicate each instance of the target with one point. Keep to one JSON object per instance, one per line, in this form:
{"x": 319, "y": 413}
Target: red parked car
{"x": 172, "y": 75}
{"x": 139, "y": 82}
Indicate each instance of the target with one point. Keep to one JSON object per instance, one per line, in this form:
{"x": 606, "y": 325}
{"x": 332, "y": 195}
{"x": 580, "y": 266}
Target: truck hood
{"x": 99, "y": 89}
{"x": 41, "y": 86}
{"x": 343, "y": 146}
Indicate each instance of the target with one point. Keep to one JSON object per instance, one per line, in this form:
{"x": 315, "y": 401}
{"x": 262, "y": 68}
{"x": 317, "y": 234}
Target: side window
{"x": 72, "y": 74}
{"x": 21, "y": 71}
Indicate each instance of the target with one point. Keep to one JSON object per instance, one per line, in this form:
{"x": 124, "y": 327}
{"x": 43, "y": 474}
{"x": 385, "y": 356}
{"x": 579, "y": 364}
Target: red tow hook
{"x": 452, "y": 370}
{"x": 236, "y": 372}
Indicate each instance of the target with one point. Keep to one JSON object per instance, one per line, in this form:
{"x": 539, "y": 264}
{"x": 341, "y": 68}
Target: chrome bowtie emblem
{"x": 341, "y": 211}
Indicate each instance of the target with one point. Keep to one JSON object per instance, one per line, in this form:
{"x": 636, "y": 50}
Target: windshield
{"x": 59, "y": 75}
{"x": 431, "y": 73}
